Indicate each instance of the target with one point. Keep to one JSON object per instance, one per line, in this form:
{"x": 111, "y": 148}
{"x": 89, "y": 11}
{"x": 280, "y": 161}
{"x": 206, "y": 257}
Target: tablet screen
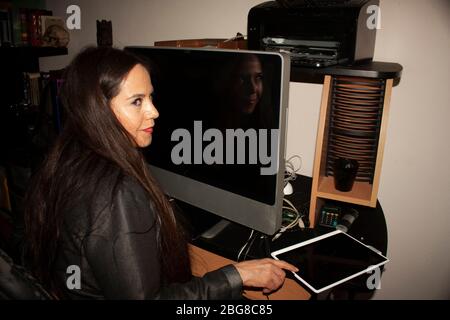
{"x": 330, "y": 259}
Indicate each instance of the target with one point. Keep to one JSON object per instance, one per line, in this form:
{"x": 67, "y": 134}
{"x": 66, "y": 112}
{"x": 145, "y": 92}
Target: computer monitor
{"x": 219, "y": 141}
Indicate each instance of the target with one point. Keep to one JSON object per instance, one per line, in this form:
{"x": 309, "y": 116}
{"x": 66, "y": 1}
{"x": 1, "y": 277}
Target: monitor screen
{"x": 218, "y": 142}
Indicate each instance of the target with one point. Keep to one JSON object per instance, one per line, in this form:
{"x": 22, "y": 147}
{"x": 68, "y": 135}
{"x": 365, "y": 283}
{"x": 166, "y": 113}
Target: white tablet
{"x": 330, "y": 259}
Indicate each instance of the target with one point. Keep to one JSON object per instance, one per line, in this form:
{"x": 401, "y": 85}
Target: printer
{"x": 315, "y": 33}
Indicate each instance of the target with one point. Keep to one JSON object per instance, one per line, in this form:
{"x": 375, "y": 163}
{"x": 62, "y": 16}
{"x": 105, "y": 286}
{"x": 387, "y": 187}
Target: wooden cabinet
{"x": 352, "y": 124}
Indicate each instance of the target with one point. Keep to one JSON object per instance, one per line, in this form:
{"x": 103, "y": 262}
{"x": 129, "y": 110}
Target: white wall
{"x": 415, "y": 182}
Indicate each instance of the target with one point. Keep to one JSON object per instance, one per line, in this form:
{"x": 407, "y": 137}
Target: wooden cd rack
{"x": 352, "y": 124}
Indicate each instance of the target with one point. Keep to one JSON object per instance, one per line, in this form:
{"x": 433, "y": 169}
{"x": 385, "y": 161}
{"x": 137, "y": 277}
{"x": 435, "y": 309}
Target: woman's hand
{"x": 264, "y": 273}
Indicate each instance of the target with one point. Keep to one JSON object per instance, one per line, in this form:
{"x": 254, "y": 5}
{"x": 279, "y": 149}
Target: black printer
{"x": 315, "y": 33}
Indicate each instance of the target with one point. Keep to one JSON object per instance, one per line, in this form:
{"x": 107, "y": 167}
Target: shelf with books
{"x": 22, "y": 86}
{"x": 28, "y": 23}
{"x": 25, "y": 59}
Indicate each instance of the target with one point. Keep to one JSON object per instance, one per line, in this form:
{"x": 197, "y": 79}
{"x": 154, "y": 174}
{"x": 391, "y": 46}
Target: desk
{"x": 210, "y": 254}
{"x": 203, "y": 261}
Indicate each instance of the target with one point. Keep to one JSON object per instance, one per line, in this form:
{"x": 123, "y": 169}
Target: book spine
{"x": 39, "y": 25}
{"x": 5, "y": 27}
{"x": 24, "y": 38}
{"x": 35, "y": 92}
{"x": 33, "y": 28}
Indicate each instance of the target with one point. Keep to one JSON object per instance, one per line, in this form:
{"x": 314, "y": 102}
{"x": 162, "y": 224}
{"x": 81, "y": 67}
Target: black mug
{"x": 344, "y": 172}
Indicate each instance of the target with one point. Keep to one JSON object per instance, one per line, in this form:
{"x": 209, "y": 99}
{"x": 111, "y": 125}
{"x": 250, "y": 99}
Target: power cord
{"x": 291, "y": 169}
{"x": 249, "y": 246}
{"x": 245, "y": 245}
{"x": 292, "y": 216}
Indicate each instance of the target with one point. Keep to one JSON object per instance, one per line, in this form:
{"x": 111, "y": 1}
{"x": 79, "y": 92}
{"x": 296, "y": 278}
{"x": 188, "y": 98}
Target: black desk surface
{"x": 370, "y": 228}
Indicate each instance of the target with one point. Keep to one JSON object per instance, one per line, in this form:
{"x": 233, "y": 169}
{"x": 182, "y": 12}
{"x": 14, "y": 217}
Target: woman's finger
{"x": 284, "y": 265}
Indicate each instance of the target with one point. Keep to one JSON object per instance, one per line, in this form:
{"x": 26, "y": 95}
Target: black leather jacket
{"x": 111, "y": 236}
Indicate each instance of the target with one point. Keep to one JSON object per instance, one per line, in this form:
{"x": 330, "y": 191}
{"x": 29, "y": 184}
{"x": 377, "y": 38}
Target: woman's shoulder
{"x": 98, "y": 183}
{"x": 113, "y": 202}
{"x": 98, "y": 177}
{"x": 129, "y": 189}
{"x": 107, "y": 183}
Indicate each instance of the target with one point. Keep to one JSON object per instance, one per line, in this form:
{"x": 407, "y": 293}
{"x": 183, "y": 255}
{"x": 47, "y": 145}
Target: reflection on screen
{"x": 196, "y": 91}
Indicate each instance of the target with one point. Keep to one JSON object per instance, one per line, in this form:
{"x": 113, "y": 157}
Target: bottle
{"x": 347, "y": 220}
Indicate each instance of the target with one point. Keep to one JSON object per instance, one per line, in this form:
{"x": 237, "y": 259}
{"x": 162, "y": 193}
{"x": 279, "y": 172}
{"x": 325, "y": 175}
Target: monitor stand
{"x": 227, "y": 234}
{"x": 216, "y": 229}
{"x": 218, "y": 235}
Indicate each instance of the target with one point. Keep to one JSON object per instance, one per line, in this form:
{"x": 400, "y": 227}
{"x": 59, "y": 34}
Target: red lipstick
{"x": 149, "y": 130}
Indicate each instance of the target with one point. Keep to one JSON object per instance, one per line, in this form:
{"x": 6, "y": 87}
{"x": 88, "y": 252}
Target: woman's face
{"x": 134, "y": 108}
{"x": 249, "y": 87}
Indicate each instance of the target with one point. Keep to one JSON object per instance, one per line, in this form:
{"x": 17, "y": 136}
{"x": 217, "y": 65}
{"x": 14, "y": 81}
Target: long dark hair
{"x": 93, "y": 137}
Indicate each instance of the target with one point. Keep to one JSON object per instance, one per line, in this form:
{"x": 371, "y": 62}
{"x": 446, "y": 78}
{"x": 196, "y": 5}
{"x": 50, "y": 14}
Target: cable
{"x": 299, "y": 220}
{"x": 249, "y": 246}
{"x": 290, "y": 168}
{"x": 245, "y": 245}
{"x": 296, "y": 220}
{"x": 291, "y": 205}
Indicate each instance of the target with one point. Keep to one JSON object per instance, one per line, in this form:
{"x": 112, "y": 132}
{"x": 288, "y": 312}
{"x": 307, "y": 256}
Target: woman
{"x": 94, "y": 204}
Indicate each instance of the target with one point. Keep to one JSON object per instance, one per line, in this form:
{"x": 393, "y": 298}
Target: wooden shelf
{"x": 34, "y": 51}
{"x": 25, "y": 59}
{"x": 373, "y": 69}
{"x": 361, "y": 192}
{"x": 236, "y": 44}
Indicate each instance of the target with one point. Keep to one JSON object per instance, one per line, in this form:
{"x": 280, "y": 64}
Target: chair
{"x": 16, "y": 283}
